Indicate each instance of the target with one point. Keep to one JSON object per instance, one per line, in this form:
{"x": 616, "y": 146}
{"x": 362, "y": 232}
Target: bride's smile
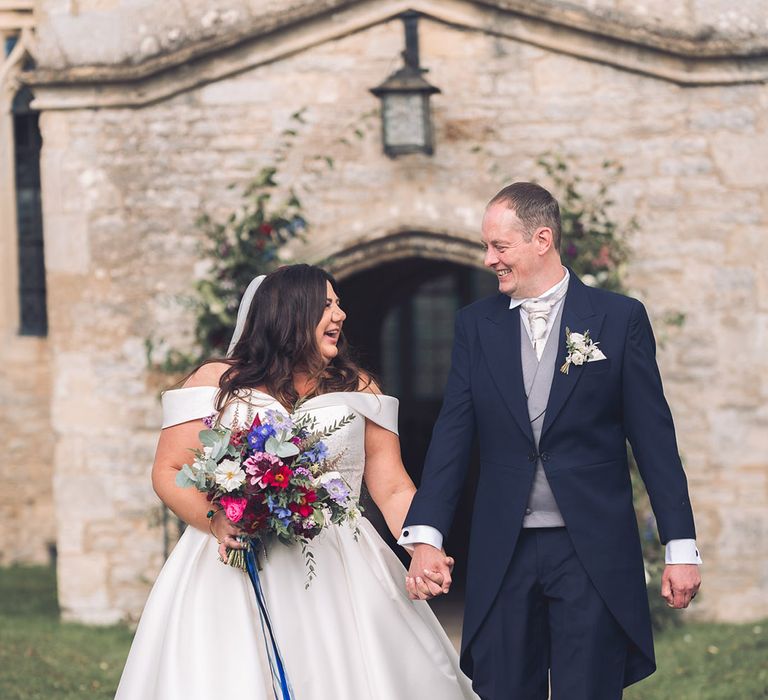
{"x": 329, "y": 328}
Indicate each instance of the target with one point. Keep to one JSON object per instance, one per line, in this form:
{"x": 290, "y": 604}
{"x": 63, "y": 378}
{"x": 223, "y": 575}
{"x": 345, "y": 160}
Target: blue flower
{"x": 258, "y": 437}
{"x": 316, "y": 454}
{"x": 297, "y": 224}
{"x": 283, "y": 514}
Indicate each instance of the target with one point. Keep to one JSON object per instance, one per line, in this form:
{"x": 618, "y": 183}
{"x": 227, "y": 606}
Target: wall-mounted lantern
{"x": 406, "y": 119}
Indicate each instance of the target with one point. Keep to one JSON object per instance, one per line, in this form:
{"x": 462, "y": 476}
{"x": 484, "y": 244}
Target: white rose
{"x": 589, "y": 280}
{"x": 577, "y": 338}
{"x": 577, "y": 358}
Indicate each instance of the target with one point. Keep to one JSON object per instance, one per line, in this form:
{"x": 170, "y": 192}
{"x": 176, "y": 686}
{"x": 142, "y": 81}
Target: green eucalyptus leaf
{"x": 281, "y": 449}
{"x": 209, "y": 438}
{"x": 186, "y": 476}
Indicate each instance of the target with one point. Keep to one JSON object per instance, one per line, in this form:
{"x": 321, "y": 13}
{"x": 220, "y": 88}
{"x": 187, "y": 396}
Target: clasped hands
{"x": 429, "y": 574}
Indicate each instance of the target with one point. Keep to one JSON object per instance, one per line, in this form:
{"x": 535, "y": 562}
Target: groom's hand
{"x": 429, "y": 574}
{"x": 679, "y": 584}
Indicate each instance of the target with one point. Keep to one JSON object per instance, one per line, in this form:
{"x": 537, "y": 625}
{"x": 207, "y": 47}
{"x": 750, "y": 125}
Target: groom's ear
{"x": 544, "y": 239}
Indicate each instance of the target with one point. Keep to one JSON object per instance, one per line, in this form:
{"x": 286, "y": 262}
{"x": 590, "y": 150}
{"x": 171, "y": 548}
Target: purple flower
{"x": 279, "y": 420}
{"x": 337, "y": 490}
{"x": 208, "y": 420}
{"x": 302, "y": 471}
{"x": 571, "y": 251}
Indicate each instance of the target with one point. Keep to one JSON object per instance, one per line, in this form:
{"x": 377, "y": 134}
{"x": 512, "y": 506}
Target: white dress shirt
{"x": 677, "y": 551}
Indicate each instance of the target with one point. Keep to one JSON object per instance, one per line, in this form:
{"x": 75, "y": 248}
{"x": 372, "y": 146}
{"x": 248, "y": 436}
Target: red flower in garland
{"x": 265, "y": 229}
{"x": 280, "y": 477}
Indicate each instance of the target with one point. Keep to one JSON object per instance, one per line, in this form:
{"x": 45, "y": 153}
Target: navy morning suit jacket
{"x": 591, "y": 413}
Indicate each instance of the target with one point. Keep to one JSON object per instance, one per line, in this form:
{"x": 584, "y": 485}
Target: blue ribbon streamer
{"x": 279, "y": 678}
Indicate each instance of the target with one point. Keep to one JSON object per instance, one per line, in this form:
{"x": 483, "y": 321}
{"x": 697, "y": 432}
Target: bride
{"x": 354, "y": 633}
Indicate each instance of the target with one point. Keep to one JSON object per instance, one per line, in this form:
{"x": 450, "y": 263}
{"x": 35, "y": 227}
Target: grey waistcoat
{"x": 542, "y": 510}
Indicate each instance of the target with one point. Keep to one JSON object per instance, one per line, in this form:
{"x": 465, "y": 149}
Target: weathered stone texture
{"x": 124, "y": 186}
{"x": 26, "y": 499}
{"x": 134, "y": 31}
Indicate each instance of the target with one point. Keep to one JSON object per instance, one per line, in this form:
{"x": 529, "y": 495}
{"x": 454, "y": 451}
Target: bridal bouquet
{"x": 274, "y": 479}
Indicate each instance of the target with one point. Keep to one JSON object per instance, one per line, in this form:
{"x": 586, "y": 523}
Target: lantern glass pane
{"x": 404, "y": 119}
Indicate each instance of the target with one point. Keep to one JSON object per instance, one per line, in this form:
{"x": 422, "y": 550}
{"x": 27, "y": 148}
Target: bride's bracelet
{"x": 211, "y": 514}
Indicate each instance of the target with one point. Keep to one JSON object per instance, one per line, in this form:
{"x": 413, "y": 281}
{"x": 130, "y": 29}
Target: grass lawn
{"x": 44, "y": 659}
{"x": 708, "y": 662}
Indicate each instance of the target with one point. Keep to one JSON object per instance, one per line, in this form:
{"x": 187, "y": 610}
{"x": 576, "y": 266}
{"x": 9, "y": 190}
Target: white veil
{"x": 242, "y": 311}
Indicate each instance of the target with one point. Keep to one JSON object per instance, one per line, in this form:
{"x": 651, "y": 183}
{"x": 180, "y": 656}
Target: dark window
{"x": 10, "y": 43}
{"x": 27, "y": 143}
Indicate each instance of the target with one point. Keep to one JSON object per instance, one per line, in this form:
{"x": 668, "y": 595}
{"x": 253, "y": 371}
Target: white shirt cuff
{"x": 421, "y": 534}
{"x": 682, "y": 552}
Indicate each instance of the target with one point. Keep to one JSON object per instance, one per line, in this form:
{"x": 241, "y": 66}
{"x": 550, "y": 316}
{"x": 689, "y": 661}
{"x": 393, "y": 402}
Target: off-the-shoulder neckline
{"x": 312, "y": 398}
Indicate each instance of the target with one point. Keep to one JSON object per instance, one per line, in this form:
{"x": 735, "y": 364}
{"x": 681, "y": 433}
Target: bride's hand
{"x": 430, "y": 573}
{"x": 225, "y": 532}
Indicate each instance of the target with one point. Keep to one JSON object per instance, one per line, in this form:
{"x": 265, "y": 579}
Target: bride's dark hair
{"x": 279, "y": 337}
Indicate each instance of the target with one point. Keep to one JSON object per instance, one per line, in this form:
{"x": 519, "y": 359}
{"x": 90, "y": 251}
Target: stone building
{"x": 148, "y": 111}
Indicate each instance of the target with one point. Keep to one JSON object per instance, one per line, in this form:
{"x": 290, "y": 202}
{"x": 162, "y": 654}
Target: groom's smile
{"x": 507, "y": 252}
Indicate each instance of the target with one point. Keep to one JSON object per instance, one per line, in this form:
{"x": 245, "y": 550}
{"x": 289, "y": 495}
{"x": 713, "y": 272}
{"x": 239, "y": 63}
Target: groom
{"x": 556, "y": 589}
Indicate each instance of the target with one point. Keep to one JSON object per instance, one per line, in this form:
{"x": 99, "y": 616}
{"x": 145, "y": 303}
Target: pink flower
{"x": 258, "y": 465}
{"x": 234, "y": 507}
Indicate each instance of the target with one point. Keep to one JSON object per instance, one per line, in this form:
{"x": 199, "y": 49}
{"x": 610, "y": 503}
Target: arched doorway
{"x": 400, "y": 321}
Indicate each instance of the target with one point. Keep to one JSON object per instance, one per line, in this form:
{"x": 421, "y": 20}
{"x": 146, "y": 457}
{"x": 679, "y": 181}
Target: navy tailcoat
{"x": 592, "y": 411}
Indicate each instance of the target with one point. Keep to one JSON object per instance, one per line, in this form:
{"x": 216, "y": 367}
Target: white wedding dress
{"x": 353, "y": 635}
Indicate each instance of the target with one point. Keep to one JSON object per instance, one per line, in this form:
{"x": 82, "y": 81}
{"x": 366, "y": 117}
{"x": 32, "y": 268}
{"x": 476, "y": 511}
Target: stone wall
{"x": 27, "y": 527}
{"x": 28, "y": 532}
{"x": 123, "y": 187}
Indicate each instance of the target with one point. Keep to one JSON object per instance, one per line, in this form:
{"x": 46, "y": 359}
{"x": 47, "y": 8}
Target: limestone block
{"x": 83, "y": 582}
{"x": 76, "y": 402}
{"x": 67, "y": 249}
{"x": 563, "y": 74}
{"x": 738, "y": 119}
{"x": 741, "y": 158}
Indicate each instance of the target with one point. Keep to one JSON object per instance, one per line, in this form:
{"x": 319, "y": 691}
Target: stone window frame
{"x": 10, "y": 69}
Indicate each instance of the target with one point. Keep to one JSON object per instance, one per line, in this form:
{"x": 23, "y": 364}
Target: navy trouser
{"x": 548, "y": 620}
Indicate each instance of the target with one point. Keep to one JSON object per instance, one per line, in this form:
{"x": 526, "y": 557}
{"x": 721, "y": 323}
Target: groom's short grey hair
{"x": 534, "y": 206}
